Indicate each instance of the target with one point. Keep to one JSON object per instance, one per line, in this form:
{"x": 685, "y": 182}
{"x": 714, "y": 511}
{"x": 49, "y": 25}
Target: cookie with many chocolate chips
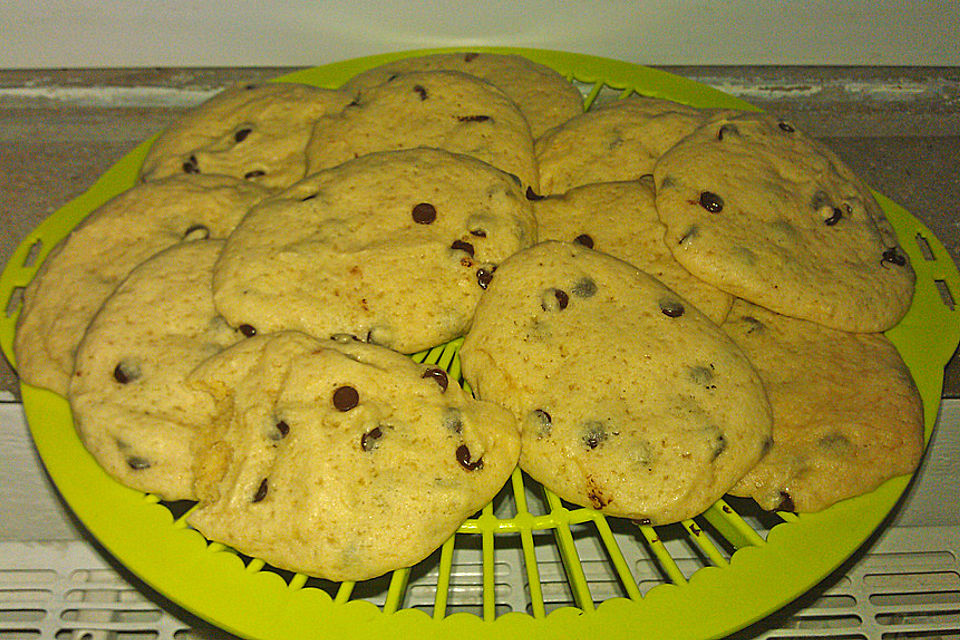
{"x": 620, "y": 218}
{"x": 447, "y": 110}
{"x": 394, "y": 248}
{"x": 630, "y": 400}
{"x": 255, "y": 132}
{"x": 343, "y": 460}
{"x": 545, "y": 97}
{"x": 131, "y": 405}
{"x": 85, "y": 267}
{"x": 762, "y": 211}
{"x": 614, "y": 141}
{"x": 846, "y": 413}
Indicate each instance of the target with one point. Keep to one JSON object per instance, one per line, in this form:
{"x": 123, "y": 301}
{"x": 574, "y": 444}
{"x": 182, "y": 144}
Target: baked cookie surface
{"x": 762, "y": 211}
{"x": 612, "y": 142}
{"x": 343, "y": 460}
{"x": 846, "y": 413}
{"x": 630, "y": 400}
{"x": 132, "y": 407}
{"x": 85, "y": 267}
{"x": 545, "y": 97}
{"x": 393, "y": 248}
{"x": 620, "y": 219}
{"x": 447, "y": 110}
{"x": 255, "y": 132}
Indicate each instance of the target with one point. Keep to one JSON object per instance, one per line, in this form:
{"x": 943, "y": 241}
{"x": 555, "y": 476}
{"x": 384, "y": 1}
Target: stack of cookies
{"x": 659, "y": 305}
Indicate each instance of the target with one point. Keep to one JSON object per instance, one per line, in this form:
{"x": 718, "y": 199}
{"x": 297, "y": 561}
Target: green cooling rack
{"x": 528, "y": 565}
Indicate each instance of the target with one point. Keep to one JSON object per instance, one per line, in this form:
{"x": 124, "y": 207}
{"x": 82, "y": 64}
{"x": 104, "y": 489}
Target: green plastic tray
{"x": 747, "y": 563}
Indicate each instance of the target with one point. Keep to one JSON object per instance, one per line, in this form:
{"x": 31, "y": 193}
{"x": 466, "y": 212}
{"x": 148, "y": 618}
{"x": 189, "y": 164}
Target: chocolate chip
{"x": 585, "y": 288}
{"x": 439, "y": 376}
{"x": 554, "y": 300}
{"x": 786, "y": 502}
{"x": 370, "y": 440}
{"x": 453, "y": 420}
{"x": 420, "y": 91}
{"x": 478, "y": 233}
{"x": 247, "y": 330}
{"x": 424, "y": 213}
{"x": 690, "y": 233}
{"x": 786, "y": 126}
{"x": 460, "y": 245}
{"x": 256, "y": 173}
{"x": 541, "y": 422}
{"x": 671, "y": 308}
{"x": 642, "y": 522}
{"x": 463, "y": 457}
{"x": 283, "y": 428}
{"x": 261, "y": 491}
{"x": 137, "y": 463}
{"x": 711, "y": 202}
{"x": 820, "y": 200}
{"x": 585, "y": 240}
{"x": 196, "y": 232}
{"x": 470, "y": 57}
{"x": 892, "y": 256}
{"x": 533, "y": 195}
{"x": 701, "y": 375}
{"x": 126, "y": 372}
{"x": 241, "y": 134}
{"x": 755, "y": 325}
{"x": 485, "y": 276}
{"x": 474, "y": 118}
{"x": 191, "y": 165}
{"x": 835, "y": 218}
{"x": 719, "y": 445}
{"x": 353, "y": 103}
{"x": 345, "y": 398}
{"x": 309, "y": 197}
{"x": 594, "y": 434}
{"x": 727, "y": 130}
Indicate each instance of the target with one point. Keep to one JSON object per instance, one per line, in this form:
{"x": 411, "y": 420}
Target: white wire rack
{"x": 906, "y": 585}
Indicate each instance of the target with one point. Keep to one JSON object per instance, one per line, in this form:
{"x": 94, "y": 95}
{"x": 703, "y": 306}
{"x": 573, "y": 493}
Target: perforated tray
{"x": 497, "y": 577}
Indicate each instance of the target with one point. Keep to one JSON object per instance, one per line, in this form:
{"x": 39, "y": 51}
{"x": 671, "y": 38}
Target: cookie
{"x": 545, "y": 97}
{"x": 620, "y": 218}
{"x": 612, "y": 142}
{"x": 443, "y": 109}
{"x": 846, "y": 413}
{"x": 84, "y": 268}
{"x": 131, "y": 405}
{"x": 630, "y": 400}
{"x": 343, "y": 460}
{"x": 255, "y": 132}
{"x": 760, "y": 210}
{"x": 394, "y": 248}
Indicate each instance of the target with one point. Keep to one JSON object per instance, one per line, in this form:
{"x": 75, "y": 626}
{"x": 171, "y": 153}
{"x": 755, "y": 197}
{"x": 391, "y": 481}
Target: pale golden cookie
{"x": 545, "y": 97}
{"x": 846, "y": 413}
{"x": 758, "y": 209}
{"x": 615, "y": 141}
{"x": 393, "y": 248}
{"x": 80, "y": 272}
{"x": 255, "y": 132}
{"x": 343, "y": 460}
{"x": 630, "y": 400}
{"x": 443, "y": 109}
{"x": 620, "y": 218}
{"x": 131, "y": 405}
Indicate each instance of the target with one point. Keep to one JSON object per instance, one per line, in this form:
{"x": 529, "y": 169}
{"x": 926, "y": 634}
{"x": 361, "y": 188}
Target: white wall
{"x": 104, "y": 33}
